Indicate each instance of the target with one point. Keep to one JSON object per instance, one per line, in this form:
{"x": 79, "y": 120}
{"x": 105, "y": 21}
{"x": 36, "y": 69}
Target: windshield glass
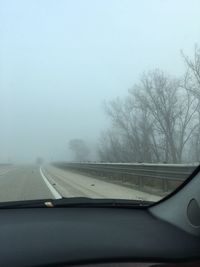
{"x": 99, "y": 99}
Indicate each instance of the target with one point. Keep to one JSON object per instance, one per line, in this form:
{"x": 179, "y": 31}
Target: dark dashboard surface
{"x": 42, "y": 236}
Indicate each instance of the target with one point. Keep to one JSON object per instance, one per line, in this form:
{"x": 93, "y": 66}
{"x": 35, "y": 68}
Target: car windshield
{"x": 99, "y": 99}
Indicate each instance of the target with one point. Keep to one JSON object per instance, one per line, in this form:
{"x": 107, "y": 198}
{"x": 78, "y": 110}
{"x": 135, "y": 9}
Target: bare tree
{"x": 111, "y": 149}
{"x": 173, "y": 109}
{"x": 80, "y": 149}
{"x": 154, "y": 123}
{"x": 191, "y": 83}
{"x": 193, "y": 71}
{"x": 133, "y": 129}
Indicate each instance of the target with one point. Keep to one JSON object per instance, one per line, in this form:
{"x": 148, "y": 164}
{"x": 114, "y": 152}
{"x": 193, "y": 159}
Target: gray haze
{"x": 59, "y": 60}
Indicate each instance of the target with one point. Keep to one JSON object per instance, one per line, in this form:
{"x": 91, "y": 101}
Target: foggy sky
{"x": 59, "y": 60}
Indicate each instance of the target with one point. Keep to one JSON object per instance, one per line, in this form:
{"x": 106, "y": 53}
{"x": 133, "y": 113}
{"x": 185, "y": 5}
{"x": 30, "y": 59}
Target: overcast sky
{"x": 60, "y": 59}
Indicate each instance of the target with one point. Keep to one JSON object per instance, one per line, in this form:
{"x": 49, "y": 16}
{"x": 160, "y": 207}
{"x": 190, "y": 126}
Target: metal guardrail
{"x": 163, "y": 176}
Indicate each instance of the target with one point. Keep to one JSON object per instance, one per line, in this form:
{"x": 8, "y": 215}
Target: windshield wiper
{"x": 75, "y": 202}
{"x": 23, "y": 204}
{"x": 88, "y": 202}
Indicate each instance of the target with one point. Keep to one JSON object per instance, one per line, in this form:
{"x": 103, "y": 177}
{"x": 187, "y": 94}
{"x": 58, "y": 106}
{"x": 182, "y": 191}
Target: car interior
{"x": 166, "y": 233}
{"x": 100, "y": 133}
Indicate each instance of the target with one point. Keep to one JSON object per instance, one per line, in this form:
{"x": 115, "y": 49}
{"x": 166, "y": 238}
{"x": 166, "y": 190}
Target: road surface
{"x": 32, "y": 182}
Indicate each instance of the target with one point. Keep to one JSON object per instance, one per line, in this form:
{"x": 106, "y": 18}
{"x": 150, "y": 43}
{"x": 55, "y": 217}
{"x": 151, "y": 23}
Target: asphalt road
{"x": 23, "y": 183}
{"x": 32, "y": 182}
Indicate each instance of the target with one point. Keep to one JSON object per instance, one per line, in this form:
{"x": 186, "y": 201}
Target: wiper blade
{"x": 24, "y": 204}
{"x": 74, "y": 202}
{"x": 90, "y": 202}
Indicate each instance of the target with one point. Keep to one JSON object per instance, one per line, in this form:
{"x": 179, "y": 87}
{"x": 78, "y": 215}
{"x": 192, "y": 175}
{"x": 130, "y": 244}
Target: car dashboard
{"x": 79, "y": 236}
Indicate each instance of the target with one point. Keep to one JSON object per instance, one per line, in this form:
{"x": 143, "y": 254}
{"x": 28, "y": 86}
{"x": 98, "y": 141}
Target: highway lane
{"x": 31, "y": 182}
{"x": 6, "y": 168}
{"x": 23, "y": 183}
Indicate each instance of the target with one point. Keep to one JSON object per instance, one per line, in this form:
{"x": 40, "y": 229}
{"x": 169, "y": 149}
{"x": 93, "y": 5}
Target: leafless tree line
{"x": 159, "y": 120}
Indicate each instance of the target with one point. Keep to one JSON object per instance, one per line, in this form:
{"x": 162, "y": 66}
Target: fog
{"x": 59, "y": 60}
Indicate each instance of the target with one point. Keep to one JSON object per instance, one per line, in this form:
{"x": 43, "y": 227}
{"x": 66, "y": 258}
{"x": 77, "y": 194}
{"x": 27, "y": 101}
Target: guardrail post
{"x": 165, "y": 185}
{"x": 141, "y": 182}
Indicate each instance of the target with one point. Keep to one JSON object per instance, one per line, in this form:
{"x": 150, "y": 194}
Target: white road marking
{"x": 49, "y": 185}
{"x": 4, "y": 171}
